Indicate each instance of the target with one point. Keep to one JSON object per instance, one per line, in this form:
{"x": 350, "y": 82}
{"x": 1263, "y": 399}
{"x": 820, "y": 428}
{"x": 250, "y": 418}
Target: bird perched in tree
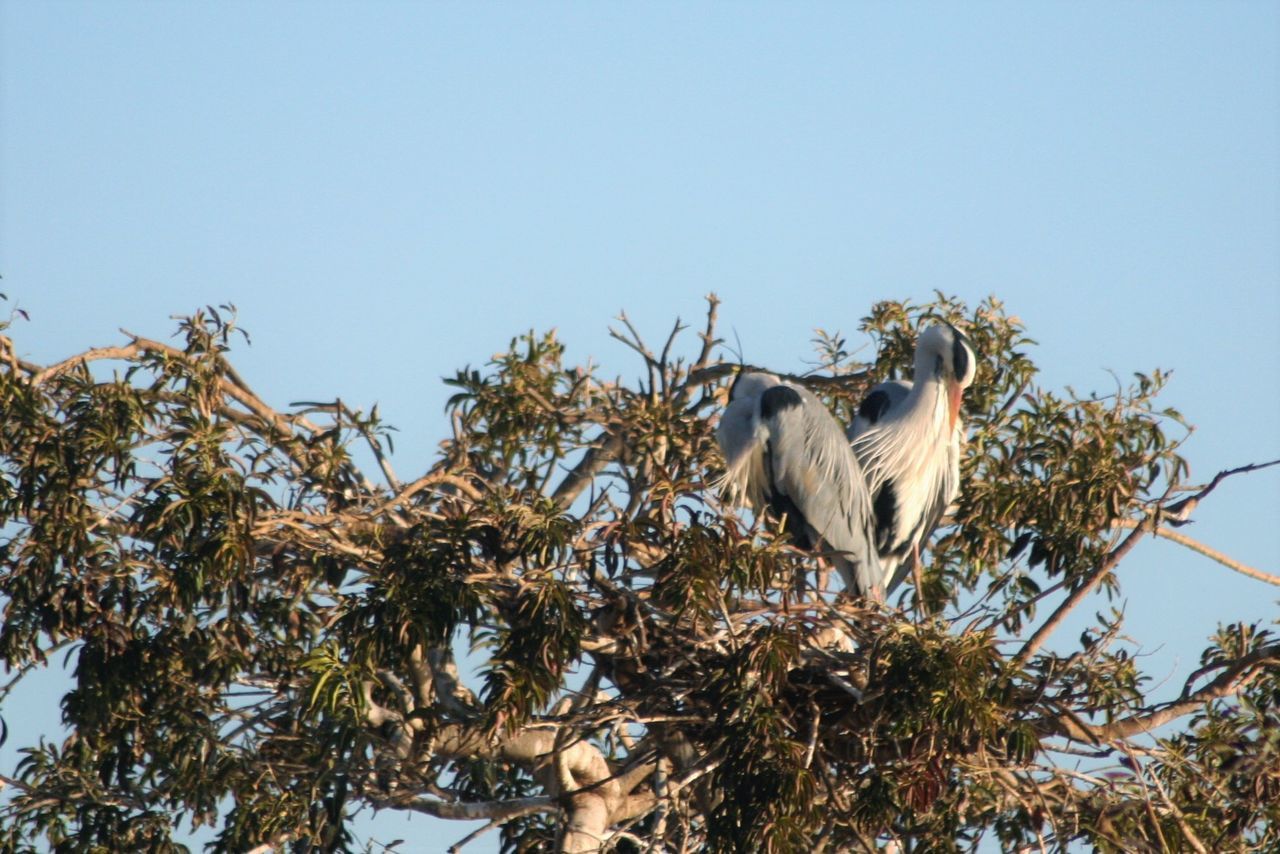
{"x": 908, "y": 437}
{"x": 867, "y": 500}
{"x": 785, "y": 452}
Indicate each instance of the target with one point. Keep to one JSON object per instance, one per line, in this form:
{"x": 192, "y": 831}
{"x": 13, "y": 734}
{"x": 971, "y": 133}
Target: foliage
{"x": 263, "y": 633}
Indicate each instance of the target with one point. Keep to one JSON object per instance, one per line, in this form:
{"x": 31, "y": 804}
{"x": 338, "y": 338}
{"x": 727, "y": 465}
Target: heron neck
{"x": 907, "y": 442}
{"x": 926, "y": 408}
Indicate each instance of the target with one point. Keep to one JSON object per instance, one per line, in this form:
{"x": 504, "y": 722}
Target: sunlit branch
{"x": 1082, "y": 592}
{"x": 505, "y": 810}
{"x": 1213, "y": 554}
{"x": 1229, "y": 682}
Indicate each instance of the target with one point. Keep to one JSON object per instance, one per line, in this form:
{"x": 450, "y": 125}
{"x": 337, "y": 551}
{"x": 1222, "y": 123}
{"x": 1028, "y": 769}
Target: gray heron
{"x": 908, "y": 438}
{"x": 879, "y": 400}
{"x": 785, "y": 452}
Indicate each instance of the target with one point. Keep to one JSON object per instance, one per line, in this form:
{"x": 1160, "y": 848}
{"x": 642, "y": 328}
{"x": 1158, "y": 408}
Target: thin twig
{"x": 712, "y": 373}
{"x": 709, "y": 340}
{"x": 1178, "y": 817}
{"x": 1207, "y": 551}
{"x": 1179, "y": 512}
{"x": 666, "y": 352}
{"x": 473, "y": 836}
{"x": 1243, "y": 671}
{"x": 1140, "y": 776}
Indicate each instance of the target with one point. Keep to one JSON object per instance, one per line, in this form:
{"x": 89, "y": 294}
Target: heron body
{"x": 785, "y": 452}
{"x": 908, "y": 437}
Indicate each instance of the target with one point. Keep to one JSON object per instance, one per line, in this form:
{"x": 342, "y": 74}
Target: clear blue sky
{"x": 389, "y": 191}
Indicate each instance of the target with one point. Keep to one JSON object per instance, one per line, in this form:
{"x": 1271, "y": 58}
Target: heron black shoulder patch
{"x": 875, "y": 406}
{"x": 885, "y": 508}
{"x": 777, "y": 399}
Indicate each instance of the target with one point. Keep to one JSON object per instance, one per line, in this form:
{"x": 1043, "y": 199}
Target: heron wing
{"x": 814, "y": 472}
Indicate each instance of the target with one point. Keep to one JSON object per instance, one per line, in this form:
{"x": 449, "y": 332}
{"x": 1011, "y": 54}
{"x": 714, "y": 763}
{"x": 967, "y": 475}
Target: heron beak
{"x": 954, "y": 391}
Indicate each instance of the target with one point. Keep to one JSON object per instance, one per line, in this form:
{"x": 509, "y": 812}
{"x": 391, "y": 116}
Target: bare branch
{"x": 1207, "y": 551}
{"x": 1080, "y": 593}
{"x": 1233, "y": 678}
{"x": 1243, "y": 671}
{"x": 94, "y": 354}
{"x": 1179, "y": 513}
{"x": 666, "y": 352}
{"x": 604, "y": 451}
{"x": 635, "y": 342}
{"x": 712, "y": 373}
{"x": 472, "y": 837}
{"x": 470, "y": 811}
{"x": 709, "y": 340}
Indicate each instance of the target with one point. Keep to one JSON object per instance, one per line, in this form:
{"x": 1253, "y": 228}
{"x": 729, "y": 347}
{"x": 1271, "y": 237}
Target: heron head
{"x": 945, "y": 355}
{"x": 751, "y": 384}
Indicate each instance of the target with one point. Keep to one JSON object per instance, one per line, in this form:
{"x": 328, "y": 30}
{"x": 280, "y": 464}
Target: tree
{"x": 264, "y": 628}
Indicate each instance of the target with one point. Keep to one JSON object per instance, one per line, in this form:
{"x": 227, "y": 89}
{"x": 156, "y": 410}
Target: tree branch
{"x": 469, "y": 811}
{"x": 1080, "y": 593}
{"x": 1207, "y": 551}
{"x": 1229, "y": 682}
{"x": 94, "y": 354}
{"x": 711, "y": 373}
{"x": 599, "y": 455}
{"x": 709, "y": 340}
{"x": 1241, "y": 672}
{"x": 1179, "y": 512}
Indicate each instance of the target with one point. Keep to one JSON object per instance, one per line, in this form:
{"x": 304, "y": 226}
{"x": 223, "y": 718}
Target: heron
{"x": 785, "y": 452}
{"x": 907, "y": 437}
{"x": 879, "y": 400}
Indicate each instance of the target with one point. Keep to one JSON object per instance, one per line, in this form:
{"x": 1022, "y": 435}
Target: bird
{"x": 785, "y": 452}
{"x": 908, "y": 437}
{"x": 879, "y": 400}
